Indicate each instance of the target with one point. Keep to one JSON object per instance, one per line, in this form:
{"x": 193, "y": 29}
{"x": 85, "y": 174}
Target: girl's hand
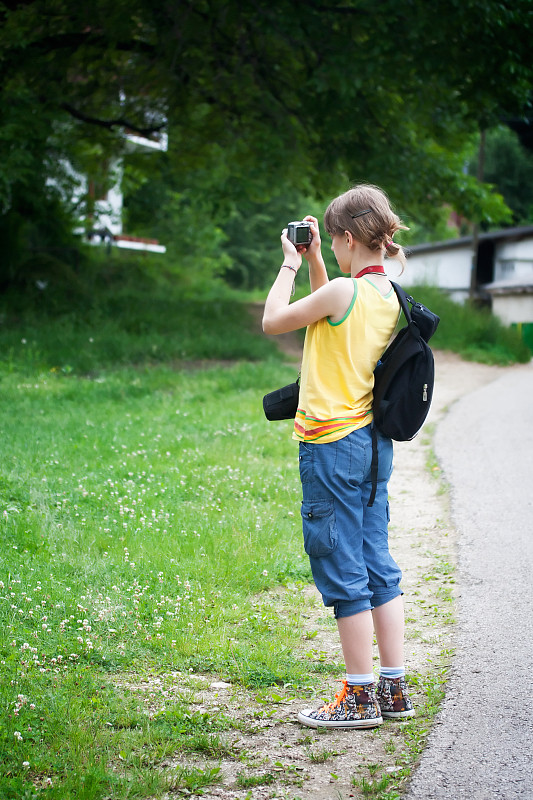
{"x": 313, "y": 249}
{"x": 291, "y": 255}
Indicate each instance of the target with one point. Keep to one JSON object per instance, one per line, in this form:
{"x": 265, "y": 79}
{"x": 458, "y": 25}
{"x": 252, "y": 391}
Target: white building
{"x": 105, "y": 223}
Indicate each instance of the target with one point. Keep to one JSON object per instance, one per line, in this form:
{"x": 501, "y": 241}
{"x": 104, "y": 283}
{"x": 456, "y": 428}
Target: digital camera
{"x": 299, "y": 233}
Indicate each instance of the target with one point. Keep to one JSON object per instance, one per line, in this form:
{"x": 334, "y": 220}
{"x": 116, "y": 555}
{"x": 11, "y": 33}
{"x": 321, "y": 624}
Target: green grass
{"x": 128, "y": 328}
{"x": 249, "y": 781}
{"x": 144, "y": 509}
{"x": 142, "y": 514}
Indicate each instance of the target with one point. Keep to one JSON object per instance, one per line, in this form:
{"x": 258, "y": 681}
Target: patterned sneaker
{"x": 393, "y": 698}
{"x": 353, "y": 707}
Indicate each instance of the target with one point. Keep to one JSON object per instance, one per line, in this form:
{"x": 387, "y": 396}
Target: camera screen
{"x": 302, "y": 235}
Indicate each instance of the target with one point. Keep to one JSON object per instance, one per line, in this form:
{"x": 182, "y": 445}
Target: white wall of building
{"x": 514, "y": 259}
{"x": 513, "y": 308}
{"x": 105, "y": 221}
{"x": 446, "y": 267}
{"x": 108, "y": 210}
{"x": 449, "y": 269}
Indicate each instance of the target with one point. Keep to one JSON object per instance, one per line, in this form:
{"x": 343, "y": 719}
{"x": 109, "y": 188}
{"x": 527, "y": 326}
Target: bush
{"x": 474, "y": 333}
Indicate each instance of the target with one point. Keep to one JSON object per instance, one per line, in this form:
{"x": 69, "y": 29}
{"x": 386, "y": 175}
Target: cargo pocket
{"x": 319, "y": 528}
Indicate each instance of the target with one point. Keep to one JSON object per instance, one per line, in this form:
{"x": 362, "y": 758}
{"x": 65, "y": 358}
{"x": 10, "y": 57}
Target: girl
{"x": 349, "y": 323}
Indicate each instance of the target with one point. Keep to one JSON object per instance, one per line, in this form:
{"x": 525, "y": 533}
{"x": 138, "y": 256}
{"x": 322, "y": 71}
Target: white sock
{"x": 392, "y": 672}
{"x": 359, "y": 680}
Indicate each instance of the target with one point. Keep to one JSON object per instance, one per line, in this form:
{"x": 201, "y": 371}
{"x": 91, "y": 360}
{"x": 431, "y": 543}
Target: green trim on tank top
{"x": 334, "y": 324}
{"x": 384, "y": 296}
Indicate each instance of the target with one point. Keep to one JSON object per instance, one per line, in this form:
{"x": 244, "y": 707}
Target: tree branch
{"x": 112, "y": 123}
{"x": 74, "y": 40}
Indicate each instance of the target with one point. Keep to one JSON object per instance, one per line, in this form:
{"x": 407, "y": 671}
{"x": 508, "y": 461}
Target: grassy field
{"x": 142, "y": 510}
{"x": 145, "y": 504}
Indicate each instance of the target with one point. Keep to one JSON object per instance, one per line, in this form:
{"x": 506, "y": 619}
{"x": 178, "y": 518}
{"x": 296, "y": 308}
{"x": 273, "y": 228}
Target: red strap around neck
{"x": 377, "y": 269}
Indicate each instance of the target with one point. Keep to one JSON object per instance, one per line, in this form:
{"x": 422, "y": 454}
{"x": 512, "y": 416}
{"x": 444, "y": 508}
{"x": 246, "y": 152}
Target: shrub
{"x": 472, "y": 332}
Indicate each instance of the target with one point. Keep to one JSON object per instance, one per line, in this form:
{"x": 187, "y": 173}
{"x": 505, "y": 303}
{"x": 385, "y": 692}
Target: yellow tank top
{"x": 338, "y": 365}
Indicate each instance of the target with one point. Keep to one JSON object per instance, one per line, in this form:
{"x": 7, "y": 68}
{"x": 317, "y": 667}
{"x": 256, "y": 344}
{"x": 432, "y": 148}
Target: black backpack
{"x": 403, "y": 379}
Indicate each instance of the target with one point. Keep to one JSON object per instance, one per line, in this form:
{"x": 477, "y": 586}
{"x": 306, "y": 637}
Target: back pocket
{"x": 319, "y": 528}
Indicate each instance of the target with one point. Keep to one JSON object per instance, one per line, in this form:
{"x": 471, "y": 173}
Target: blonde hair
{"x": 365, "y": 211}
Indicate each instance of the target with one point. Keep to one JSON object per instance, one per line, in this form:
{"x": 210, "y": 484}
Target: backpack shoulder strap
{"x": 404, "y": 300}
{"x": 373, "y": 466}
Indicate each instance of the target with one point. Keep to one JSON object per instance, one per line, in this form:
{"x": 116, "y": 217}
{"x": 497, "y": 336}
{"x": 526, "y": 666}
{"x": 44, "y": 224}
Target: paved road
{"x": 482, "y": 746}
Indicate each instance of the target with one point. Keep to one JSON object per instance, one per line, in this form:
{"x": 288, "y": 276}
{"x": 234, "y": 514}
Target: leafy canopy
{"x": 262, "y": 95}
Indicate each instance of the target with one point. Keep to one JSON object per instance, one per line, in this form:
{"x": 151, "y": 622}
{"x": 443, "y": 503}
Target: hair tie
{"x": 389, "y": 244}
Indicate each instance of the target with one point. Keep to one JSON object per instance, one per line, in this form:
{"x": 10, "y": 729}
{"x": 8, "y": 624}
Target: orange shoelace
{"x": 339, "y": 697}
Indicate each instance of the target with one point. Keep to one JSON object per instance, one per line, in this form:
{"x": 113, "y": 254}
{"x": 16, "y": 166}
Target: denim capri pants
{"x": 347, "y": 542}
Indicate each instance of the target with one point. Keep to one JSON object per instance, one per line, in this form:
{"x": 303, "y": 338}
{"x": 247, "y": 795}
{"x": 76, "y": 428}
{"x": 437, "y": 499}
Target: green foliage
{"x": 39, "y": 247}
{"x": 33, "y": 218}
{"x": 260, "y": 102}
{"x": 249, "y": 781}
{"x": 509, "y": 167}
{"x": 440, "y": 229}
{"x": 210, "y": 224}
{"x": 473, "y": 332}
{"x": 186, "y": 212}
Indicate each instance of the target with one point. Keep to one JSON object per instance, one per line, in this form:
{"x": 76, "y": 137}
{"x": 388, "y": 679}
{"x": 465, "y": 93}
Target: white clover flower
{"x": 18, "y": 736}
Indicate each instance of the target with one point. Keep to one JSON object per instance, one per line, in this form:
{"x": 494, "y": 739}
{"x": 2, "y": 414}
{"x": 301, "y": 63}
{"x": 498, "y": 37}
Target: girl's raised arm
{"x": 317, "y": 269}
{"x": 325, "y": 300}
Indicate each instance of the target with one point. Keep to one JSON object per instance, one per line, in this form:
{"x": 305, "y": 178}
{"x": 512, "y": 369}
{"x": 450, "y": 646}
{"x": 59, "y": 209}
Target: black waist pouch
{"x": 282, "y": 403}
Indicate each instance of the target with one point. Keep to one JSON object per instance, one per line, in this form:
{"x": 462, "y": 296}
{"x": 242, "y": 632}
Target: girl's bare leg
{"x": 356, "y": 634}
{"x": 389, "y": 626}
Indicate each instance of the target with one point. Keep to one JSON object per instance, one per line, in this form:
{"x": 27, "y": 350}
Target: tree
{"x": 508, "y": 166}
{"x": 314, "y": 94}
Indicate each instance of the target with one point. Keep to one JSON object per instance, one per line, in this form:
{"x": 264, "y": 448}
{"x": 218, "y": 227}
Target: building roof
{"x": 514, "y": 284}
{"x": 522, "y": 232}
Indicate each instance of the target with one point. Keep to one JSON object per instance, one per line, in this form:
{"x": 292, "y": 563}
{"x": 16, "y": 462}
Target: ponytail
{"x": 366, "y": 212}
